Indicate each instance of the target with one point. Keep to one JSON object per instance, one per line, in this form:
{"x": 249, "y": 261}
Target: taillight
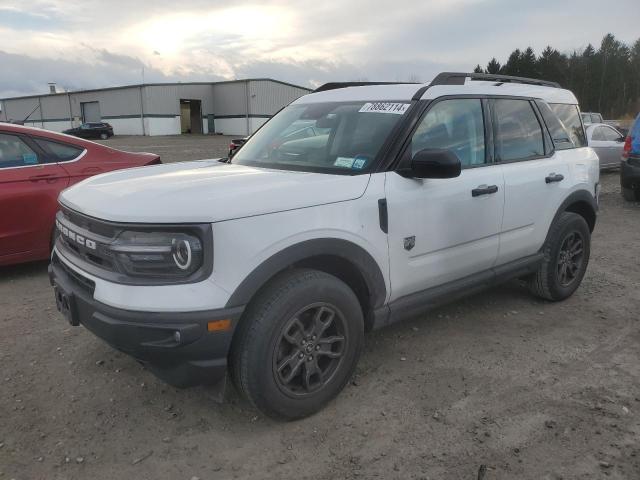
{"x": 627, "y": 147}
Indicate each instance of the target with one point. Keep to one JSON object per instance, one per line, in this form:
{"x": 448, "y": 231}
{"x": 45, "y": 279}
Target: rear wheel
{"x": 298, "y": 344}
{"x": 631, "y": 194}
{"x": 566, "y": 256}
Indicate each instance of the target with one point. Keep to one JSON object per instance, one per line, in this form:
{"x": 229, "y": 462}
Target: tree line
{"x": 606, "y": 80}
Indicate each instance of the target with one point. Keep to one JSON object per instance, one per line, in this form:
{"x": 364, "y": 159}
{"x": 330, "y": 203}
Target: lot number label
{"x": 384, "y": 107}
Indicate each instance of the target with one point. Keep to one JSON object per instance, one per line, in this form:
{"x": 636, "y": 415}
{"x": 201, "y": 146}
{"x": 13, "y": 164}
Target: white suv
{"x": 352, "y": 208}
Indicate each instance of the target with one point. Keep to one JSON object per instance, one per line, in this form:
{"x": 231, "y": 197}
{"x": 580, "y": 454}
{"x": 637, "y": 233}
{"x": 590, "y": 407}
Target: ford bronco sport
{"x": 352, "y": 208}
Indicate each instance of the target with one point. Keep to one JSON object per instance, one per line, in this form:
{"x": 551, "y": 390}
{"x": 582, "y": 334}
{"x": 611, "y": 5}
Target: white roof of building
{"x": 405, "y": 92}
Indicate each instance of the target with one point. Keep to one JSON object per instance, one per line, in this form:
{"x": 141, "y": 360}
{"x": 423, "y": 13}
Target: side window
{"x": 60, "y": 152}
{"x": 559, "y": 134}
{"x": 15, "y": 153}
{"x": 570, "y": 118}
{"x": 598, "y": 134}
{"x": 457, "y": 125}
{"x": 518, "y": 132}
{"x": 610, "y": 134}
{"x": 596, "y": 118}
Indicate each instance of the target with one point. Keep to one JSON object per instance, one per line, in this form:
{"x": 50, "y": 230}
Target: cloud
{"x": 25, "y": 75}
{"x": 83, "y": 44}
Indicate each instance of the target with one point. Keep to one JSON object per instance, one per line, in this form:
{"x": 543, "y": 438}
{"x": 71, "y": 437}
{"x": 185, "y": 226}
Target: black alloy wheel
{"x": 310, "y": 349}
{"x": 570, "y": 258}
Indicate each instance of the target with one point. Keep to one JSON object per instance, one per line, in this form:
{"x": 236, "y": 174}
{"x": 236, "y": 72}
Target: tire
{"x": 269, "y": 343}
{"x": 631, "y": 194}
{"x": 565, "y": 261}
{"x": 104, "y": 136}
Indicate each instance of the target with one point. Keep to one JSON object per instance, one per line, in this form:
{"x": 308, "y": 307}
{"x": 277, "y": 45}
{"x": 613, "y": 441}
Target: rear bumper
{"x": 630, "y": 173}
{"x": 176, "y": 347}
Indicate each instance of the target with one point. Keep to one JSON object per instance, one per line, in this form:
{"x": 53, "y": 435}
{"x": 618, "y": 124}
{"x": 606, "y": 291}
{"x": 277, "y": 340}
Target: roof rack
{"x": 336, "y": 85}
{"x": 458, "y": 78}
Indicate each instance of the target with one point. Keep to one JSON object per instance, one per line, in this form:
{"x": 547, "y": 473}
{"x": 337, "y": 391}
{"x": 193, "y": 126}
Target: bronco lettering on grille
{"x": 74, "y": 237}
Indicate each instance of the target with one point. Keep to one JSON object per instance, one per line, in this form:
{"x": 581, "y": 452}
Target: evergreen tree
{"x": 494, "y": 66}
{"x": 512, "y": 67}
{"x": 606, "y": 80}
{"x": 478, "y": 69}
{"x": 528, "y": 67}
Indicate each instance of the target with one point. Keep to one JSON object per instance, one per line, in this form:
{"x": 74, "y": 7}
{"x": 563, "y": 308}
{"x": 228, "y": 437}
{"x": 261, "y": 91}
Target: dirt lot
{"x": 530, "y": 389}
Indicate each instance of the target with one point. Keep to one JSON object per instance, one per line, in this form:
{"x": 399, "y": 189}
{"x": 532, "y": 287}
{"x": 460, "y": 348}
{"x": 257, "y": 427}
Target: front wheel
{"x": 103, "y": 136}
{"x": 566, "y": 255}
{"x": 298, "y": 344}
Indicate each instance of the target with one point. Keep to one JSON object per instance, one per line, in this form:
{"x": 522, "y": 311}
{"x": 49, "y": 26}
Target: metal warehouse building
{"x": 235, "y": 107}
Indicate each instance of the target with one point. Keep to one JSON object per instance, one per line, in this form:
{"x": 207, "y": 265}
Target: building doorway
{"x": 90, "y": 112}
{"x": 190, "y": 116}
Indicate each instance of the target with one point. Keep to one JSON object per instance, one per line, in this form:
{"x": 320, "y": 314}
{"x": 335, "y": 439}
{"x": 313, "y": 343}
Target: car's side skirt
{"x": 424, "y": 300}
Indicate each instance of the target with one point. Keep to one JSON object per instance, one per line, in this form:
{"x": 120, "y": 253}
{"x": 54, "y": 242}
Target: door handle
{"x": 554, "y": 177}
{"x": 43, "y": 176}
{"x": 484, "y": 190}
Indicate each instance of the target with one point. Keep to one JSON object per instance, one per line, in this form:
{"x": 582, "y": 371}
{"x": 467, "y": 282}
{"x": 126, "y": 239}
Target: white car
{"x": 274, "y": 265}
{"x": 607, "y": 142}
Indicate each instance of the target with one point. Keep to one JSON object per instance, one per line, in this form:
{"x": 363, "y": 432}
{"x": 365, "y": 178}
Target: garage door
{"x": 91, "y": 112}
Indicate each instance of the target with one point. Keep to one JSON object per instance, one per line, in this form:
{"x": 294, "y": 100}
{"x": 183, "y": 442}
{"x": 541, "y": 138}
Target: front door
{"x": 442, "y": 230}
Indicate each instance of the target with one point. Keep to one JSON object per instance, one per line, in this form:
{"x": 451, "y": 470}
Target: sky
{"x": 81, "y": 44}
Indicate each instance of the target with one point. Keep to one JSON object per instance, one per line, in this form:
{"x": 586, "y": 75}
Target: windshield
{"x": 336, "y": 137}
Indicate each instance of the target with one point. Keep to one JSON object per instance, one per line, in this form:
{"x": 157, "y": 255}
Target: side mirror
{"x": 434, "y": 163}
{"x": 620, "y": 139}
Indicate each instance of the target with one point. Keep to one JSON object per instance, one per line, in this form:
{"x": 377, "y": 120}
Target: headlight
{"x": 157, "y": 254}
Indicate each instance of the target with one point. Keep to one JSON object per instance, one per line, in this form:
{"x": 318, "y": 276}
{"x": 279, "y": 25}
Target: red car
{"x": 35, "y": 166}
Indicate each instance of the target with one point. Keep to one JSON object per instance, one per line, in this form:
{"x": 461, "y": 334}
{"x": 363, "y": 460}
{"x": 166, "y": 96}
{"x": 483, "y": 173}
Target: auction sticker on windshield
{"x": 384, "y": 107}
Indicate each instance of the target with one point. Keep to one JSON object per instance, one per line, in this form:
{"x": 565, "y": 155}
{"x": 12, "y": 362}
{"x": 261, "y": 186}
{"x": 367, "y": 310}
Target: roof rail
{"x": 336, "y": 85}
{"x": 458, "y": 78}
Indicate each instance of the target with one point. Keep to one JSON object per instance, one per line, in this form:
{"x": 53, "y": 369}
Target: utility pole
{"x": 246, "y": 91}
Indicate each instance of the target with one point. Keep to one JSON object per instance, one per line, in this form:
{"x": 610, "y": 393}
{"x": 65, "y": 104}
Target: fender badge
{"x": 409, "y": 242}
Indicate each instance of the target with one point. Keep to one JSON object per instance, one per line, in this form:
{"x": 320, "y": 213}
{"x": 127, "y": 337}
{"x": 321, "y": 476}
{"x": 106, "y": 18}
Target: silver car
{"x": 607, "y": 142}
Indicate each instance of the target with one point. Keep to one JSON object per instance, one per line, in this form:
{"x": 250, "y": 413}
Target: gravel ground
{"x": 500, "y": 383}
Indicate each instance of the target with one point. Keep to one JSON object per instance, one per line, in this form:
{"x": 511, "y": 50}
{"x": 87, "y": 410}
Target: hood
{"x": 205, "y": 191}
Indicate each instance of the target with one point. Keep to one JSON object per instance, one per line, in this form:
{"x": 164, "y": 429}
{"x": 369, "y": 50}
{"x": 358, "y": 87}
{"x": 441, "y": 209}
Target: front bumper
{"x": 177, "y": 347}
{"x": 630, "y": 173}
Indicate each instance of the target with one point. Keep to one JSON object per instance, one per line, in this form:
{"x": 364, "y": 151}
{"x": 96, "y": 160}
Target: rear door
{"x": 69, "y": 157}
{"x": 534, "y": 175}
{"x": 29, "y": 188}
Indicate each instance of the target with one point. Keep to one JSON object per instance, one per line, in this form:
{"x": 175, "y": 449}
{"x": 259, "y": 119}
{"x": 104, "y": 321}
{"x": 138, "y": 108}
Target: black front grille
{"x": 93, "y": 232}
{"x": 90, "y": 224}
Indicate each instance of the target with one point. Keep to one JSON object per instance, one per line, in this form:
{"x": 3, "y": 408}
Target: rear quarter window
{"x": 559, "y": 134}
{"x": 569, "y": 115}
{"x": 59, "y": 152}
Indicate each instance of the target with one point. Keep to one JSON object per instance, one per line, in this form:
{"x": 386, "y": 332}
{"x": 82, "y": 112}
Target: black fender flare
{"x": 334, "y": 247}
{"x": 583, "y": 197}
